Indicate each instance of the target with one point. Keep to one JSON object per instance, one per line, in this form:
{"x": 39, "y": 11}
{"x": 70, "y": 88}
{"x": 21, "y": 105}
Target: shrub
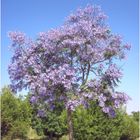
{"x": 92, "y": 124}
{"x": 130, "y": 129}
{"x": 15, "y": 115}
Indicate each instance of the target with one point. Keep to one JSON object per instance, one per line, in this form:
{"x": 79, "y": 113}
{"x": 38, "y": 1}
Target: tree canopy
{"x": 73, "y": 63}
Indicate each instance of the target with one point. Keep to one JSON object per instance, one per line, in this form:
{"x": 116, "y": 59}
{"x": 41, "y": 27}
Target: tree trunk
{"x": 70, "y": 126}
{"x": 51, "y": 136}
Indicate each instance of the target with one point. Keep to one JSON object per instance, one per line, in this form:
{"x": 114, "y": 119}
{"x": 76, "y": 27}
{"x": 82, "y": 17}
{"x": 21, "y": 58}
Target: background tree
{"x": 92, "y": 124}
{"x": 72, "y": 64}
{"x": 15, "y": 115}
{"x": 136, "y": 116}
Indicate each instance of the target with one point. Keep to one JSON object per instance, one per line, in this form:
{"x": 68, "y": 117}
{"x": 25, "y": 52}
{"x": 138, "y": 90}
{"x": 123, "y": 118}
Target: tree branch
{"x": 83, "y": 75}
{"x": 87, "y": 74}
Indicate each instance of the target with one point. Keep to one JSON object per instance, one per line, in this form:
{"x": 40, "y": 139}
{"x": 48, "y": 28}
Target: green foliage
{"x": 92, "y": 124}
{"x": 130, "y": 128}
{"x": 56, "y": 124}
{"x": 52, "y": 125}
{"x": 15, "y": 115}
{"x": 136, "y": 116}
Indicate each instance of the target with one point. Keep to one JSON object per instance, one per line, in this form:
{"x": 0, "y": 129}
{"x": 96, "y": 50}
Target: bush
{"x": 53, "y": 125}
{"x": 15, "y": 115}
{"x": 130, "y": 129}
{"x": 92, "y": 124}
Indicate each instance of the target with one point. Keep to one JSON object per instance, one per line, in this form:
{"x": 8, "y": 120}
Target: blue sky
{"x": 33, "y": 16}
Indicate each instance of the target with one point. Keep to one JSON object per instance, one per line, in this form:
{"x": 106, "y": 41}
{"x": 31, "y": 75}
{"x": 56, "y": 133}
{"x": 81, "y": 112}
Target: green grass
{"x": 65, "y": 137}
{"x": 32, "y": 134}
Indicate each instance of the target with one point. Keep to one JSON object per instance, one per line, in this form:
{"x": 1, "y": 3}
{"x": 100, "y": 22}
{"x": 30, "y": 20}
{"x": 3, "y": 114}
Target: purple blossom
{"x": 41, "y": 113}
{"x": 110, "y": 111}
{"x": 105, "y": 109}
{"x": 42, "y": 91}
{"x": 33, "y": 99}
{"x": 113, "y": 72}
{"x": 17, "y": 37}
{"x": 127, "y": 46}
{"x": 121, "y": 97}
{"x": 116, "y": 103}
{"x": 72, "y": 104}
{"x": 32, "y": 86}
{"x": 101, "y": 99}
{"x": 88, "y": 95}
{"x": 101, "y": 104}
{"x": 52, "y": 107}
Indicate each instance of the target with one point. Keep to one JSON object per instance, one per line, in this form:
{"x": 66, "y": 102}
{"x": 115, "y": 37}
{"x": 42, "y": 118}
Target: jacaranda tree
{"x": 72, "y": 64}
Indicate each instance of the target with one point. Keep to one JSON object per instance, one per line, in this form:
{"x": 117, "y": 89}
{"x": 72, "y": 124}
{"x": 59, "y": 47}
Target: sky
{"x": 34, "y": 16}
